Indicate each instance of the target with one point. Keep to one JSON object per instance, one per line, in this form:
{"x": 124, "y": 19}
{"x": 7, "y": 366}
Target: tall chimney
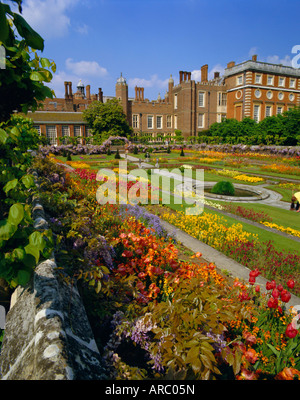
{"x": 70, "y": 89}
{"x": 204, "y": 73}
{"x": 254, "y": 57}
{"x": 216, "y": 75}
{"x": 88, "y": 92}
{"x": 66, "y": 90}
{"x": 180, "y": 76}
{"x": 100, "y": 95}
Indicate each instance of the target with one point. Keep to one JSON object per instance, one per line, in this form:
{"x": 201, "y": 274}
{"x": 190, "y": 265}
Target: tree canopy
{"x": 281, "y": 129}
{"x": 24, "y": 73}
{"x": 106, "y": 119}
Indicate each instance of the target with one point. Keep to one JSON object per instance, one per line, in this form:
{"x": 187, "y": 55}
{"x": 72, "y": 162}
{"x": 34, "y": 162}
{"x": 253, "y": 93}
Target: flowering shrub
{"x": 288, "y": 230}
{"x": 246, "y": 178}
{"x": 269, "y": 337}
{"x": 238, "y": 176}
{"x": 159, "y": 316}
{"x": 260, "y": 217}
{"x": 238, "y": 244}
{"x": 281, "y": 169}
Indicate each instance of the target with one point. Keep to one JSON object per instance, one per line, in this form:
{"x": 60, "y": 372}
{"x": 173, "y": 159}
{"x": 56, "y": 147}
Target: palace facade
{"x": 251, "y": 89}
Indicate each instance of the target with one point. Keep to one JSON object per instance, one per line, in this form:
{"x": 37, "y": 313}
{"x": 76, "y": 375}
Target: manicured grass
{"x": 279, "y": 216}
{"x": 280, "y": 242}
{"x": 286, "y": 193}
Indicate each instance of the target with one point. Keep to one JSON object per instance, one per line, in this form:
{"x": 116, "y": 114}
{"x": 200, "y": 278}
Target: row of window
{"x": 51, "y": 131}
{"x": 269, "y": 111}
{"x": 159, "y": 119}
{"x": 222, "y": 99}
{"x": 258, "y": 78}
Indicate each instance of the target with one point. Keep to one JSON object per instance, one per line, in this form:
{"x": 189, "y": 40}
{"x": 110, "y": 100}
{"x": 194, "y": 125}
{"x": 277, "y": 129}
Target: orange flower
{"x": 251, "y": 356}
{"x": 288, "y": 374}
{"x": 247, "y": 375}
{"x": 249, "y": 337}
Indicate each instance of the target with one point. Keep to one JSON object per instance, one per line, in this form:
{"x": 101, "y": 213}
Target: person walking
{"x": 295, "y": 198}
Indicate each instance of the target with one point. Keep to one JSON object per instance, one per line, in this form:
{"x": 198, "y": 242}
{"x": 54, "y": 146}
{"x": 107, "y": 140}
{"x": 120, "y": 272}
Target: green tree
{"x": 21, "y": 87}
{"x": 22, "y": 80}
{"x": 107, "y": 119}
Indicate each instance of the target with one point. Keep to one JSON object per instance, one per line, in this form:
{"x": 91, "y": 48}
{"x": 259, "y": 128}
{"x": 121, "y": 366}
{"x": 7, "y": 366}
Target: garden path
{"x": 221, "y": 261}
{"x": 272, "y": 200}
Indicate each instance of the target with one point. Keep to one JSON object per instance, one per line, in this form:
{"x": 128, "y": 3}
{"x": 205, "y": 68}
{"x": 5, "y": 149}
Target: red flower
{"x": 285, "y": 296}
{"x": 280, "y": 288}
{"x": 270, "y": 285}
{"x": 290, "y": 283}
{"x": 272, "y": 303}
{"x": 275, "y": 293}
{"x": 251, "y": 280}
{"x": 244, "y": 296}
{"x": 257, "y": 289}
{"x": 127, "y": 253}
{"x": 290, "y": 331}
{"x": 254, "y": 273}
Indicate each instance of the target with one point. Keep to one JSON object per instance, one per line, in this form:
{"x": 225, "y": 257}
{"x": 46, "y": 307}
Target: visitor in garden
{"x": 295, "y": 198}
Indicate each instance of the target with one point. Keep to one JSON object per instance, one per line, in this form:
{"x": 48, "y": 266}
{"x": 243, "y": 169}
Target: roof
{"x": 63, "y": 117}
{"x": 278, "y": 69}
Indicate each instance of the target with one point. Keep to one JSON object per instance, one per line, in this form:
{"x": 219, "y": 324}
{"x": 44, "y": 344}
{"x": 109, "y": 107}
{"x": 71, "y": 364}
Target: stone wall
{"x": 47, "y": 332}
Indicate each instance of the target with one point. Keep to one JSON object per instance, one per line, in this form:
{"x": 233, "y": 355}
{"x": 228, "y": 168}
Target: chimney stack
{"x": 231, "y": 64}
{"x": 204, "y": 73}
{"x": 254, "y": 57}
{"x": 88, "y": 92}
{"x": 216, "y": 75}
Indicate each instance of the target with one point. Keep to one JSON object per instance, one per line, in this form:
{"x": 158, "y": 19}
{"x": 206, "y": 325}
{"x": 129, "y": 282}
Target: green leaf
{"x": 19, "y": 254}
{"x": 7, "y": 230}
{"x": 36, "y": 76}
{"x": 28, "y": 181}
{"x": 15, "y": 132}
{"x": 4, "y": 31}
{"x": 3, "y": 135}
{"x": 10, "y": 185}
{"x": 36, "y": 239}
{"x": 16, "y": 214}
{"x": 29, "y": 261}
{"x": 45, "y": 63}
{"x": 30, "y": 249}
{"x": 33, "y": 39}
{"x": 23, "y": 277}
{"x": 276, "y": 352}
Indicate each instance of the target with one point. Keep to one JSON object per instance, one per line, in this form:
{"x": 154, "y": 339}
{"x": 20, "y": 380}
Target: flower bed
{"x": 155, "y": 316}
{"x": 238, "y": 244}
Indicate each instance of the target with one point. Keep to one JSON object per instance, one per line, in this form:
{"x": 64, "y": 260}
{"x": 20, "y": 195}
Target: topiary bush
{"x": 223, "y": 187}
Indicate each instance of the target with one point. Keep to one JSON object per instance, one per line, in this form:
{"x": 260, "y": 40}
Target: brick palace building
{"x": 250, "y": 89}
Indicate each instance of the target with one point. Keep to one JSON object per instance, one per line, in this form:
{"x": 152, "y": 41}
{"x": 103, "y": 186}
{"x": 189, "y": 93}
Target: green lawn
{"x": 280, "y": 242}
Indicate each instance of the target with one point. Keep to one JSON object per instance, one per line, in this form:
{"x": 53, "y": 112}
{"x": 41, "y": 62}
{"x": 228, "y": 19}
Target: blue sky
{"x": 147, "y": 40}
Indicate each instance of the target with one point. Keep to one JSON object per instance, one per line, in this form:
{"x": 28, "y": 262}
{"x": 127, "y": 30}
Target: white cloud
{"x": 57, "y": 83}
{"x": 275, "y": 59}
{"x": 85, "y": 68}
{"x": 83, "y": 29}
{"x": 252, "y": 51}
{"x": 154, "y": 81}
{"x": 196, "y": 74}
{"x": 48, "y": 17}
